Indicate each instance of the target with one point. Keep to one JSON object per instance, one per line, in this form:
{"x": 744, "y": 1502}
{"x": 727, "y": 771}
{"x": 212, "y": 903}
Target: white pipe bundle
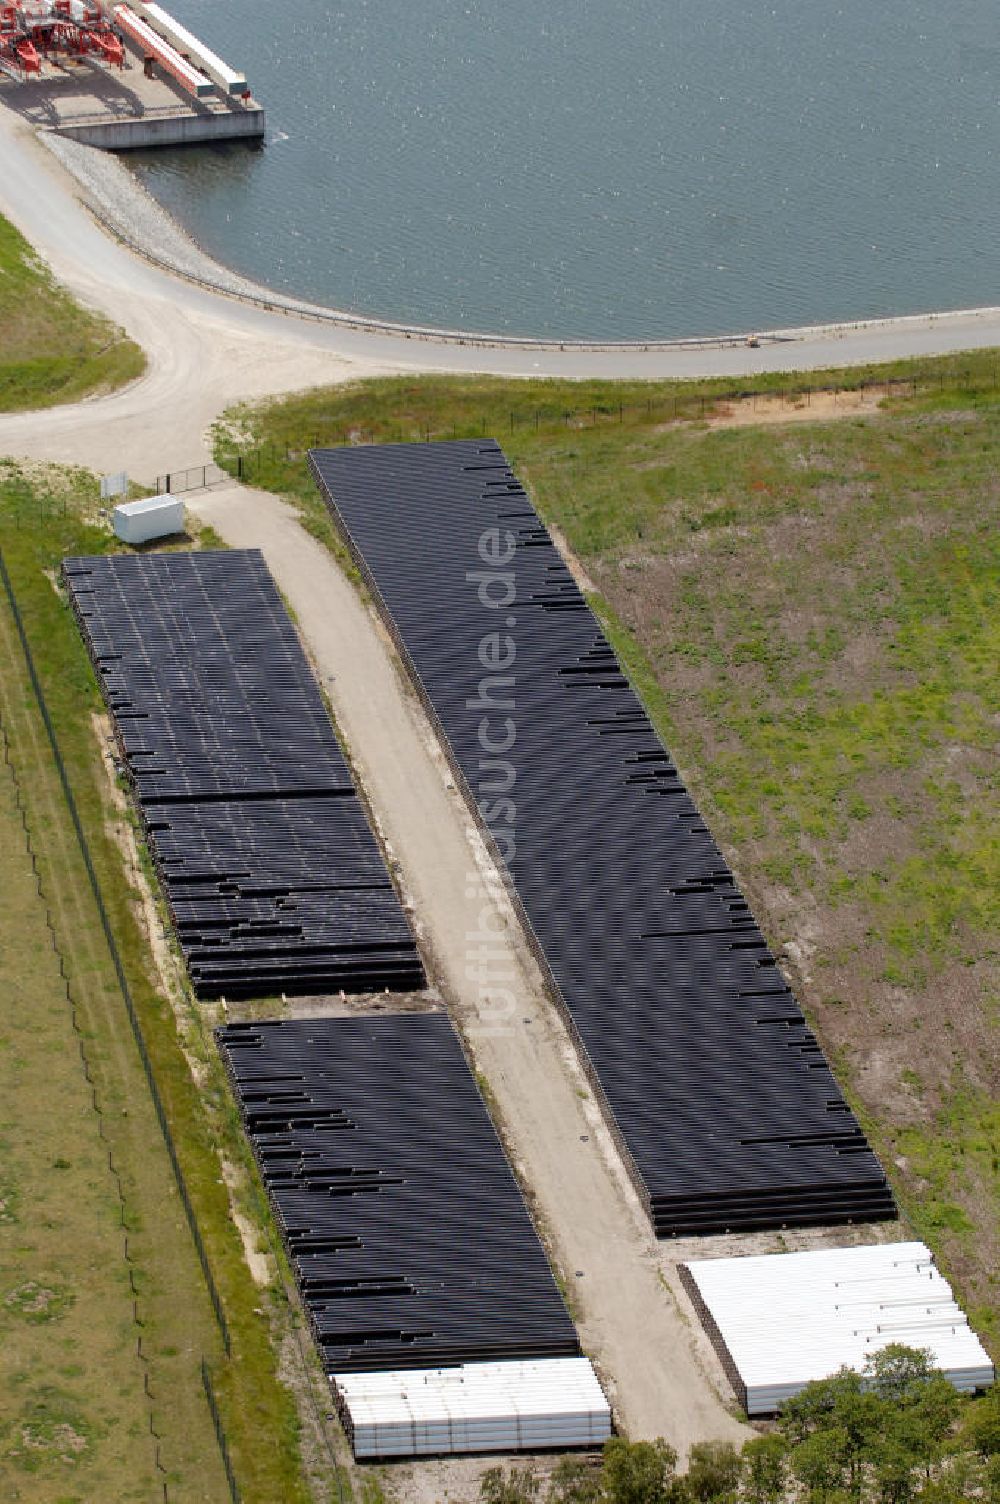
{"x": 477, "y": 1407}
{"x": 168, "y": 57}
{"x": 781, "y": 1320}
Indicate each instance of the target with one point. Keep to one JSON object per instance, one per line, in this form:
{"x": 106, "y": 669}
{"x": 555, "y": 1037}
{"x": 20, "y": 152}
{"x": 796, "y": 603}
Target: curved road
{"x": 207, "y": 351}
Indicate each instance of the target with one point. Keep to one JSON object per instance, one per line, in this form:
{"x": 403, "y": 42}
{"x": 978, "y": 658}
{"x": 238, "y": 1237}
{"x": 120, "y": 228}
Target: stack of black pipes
{"x": 720, "y": 1097}
{"x": 273, "y": 877}
{"x": 409, "y": 1239}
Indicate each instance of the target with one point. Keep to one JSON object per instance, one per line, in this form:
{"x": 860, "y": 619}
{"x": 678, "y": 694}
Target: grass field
{"x": 76, "y": 1411}
{"x": 74, "y": 1417}
{"x": 811, "y": 613}
{"x": 52, "y": 350}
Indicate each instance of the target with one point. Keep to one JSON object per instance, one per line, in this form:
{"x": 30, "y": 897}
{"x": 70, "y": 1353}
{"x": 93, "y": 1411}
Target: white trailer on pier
{"x": 188, "y": 45}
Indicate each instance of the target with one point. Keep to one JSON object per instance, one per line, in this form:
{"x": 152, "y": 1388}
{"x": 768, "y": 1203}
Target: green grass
{"x": 73, "y": 1413}
{"x": 44, "y": 515}
{"x": 811, "y": 615}
{"x": 52, "y": 350}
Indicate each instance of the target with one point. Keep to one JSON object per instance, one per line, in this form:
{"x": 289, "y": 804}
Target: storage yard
{"x": 437, "y": 1316}
{"x": 521, "y": 1064}
{"x": 273, "y": 877}
{"x": 717, "y": 1092}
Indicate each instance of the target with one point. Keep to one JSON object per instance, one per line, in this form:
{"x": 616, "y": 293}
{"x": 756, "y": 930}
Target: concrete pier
{"x": 186, "y": 127}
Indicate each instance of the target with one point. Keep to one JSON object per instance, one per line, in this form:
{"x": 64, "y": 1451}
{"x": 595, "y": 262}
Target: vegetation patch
{"x": 50, "y": 1434}
{"x": 8, "y": 1203}
{"x": 37, "y": 1302}
{"x": 53, "y": 350}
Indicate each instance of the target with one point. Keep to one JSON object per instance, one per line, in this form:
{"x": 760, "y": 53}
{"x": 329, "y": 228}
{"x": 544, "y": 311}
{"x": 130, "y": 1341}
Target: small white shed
{"x": 153, "y": 517}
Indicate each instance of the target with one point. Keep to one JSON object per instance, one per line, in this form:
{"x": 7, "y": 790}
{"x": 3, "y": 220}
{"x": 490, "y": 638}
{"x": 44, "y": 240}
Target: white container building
{"x": 153, "y": 517}
{"x": 475, "y": 1407}
{"x": 779, "y": 1321}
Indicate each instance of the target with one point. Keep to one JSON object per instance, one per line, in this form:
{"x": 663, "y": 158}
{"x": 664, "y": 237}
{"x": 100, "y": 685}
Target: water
{"x": 629, "y": 169}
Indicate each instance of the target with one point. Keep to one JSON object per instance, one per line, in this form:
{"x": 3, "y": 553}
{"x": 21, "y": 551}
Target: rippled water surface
{"x": 642, "y": 168}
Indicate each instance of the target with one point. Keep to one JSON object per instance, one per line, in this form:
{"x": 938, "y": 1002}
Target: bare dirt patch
{"x": 804, "y": 407}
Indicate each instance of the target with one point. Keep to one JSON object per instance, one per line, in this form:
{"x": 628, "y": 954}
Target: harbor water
{"x": 624, "y": 170}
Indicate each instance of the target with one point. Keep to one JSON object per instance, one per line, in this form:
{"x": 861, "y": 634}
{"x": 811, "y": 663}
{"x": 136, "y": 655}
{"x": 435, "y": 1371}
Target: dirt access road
{"x": 659, "y": 1376}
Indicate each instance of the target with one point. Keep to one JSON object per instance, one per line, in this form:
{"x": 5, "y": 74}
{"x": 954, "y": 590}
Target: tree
{"x": 713, "y": 1471}
{"x": 576, "y": 1481}
{"x": 991, "y": 1480}
{"x": 498, "y": 1487}
{"x": 895, "y": 1373}
{"x": 923, "y": 1419}
{"x": 765, "y": 1469}
{"x": 824, "y": 1464}
{"x": 895, "y": 1472}
{"x": 981, "y": 1431}
{"x": 958, "y": 1480}
{"x": 639, "y": 1472}
{"x": 849, "y": 1417}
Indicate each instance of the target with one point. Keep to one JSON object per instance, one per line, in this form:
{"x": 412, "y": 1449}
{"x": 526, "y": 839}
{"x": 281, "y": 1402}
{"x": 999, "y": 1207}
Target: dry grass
{"x": 74, "y": 1418}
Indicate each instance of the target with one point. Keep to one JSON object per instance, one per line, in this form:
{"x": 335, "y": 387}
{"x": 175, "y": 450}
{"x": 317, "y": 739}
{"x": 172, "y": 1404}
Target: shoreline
{"x": 132, "y": 216}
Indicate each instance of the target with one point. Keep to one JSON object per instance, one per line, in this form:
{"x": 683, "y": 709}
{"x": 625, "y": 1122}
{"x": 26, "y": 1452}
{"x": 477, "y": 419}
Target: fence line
{"x": 247, "y": 462}
{"x": 220, "y": 1434}
{"x": 125, "y": 989}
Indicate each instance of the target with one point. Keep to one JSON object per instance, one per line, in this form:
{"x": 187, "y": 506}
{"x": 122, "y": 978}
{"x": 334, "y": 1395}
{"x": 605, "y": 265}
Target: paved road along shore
{"x": 207, "y": 350}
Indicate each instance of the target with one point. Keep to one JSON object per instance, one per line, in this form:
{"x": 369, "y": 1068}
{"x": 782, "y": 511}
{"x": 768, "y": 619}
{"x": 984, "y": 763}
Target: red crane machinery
{"x": 33, "y": 30}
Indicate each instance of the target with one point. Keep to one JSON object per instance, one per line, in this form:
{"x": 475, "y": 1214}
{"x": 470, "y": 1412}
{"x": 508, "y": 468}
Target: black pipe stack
{"x": 720, "y": 1097}
{"x": 410, "y": 1241}
{"x": 273, "y": 877}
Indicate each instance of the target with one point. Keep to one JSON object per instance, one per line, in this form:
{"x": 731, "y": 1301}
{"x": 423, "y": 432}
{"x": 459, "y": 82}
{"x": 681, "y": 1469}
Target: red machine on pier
{"x": 37, "y": 31}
